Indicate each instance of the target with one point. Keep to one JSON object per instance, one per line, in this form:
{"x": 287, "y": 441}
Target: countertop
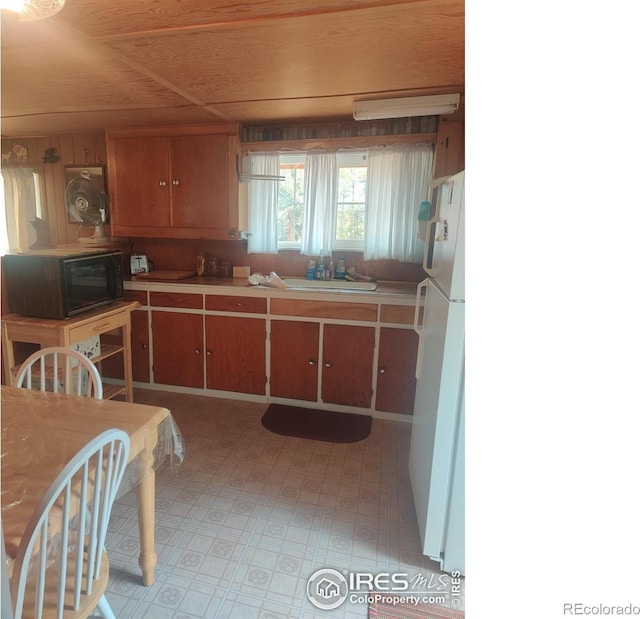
{"x": 229, "y": 285}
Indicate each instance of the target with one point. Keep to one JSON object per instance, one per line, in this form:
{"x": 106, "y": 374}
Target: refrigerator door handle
{"x": 417, "y": 326}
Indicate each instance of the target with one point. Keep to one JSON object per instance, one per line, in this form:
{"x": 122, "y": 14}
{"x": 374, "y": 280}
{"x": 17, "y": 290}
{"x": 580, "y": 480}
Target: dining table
{"x": 42, "y": 431}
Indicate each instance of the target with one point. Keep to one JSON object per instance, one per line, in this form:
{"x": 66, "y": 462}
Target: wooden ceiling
{"x": 115, "y": 63}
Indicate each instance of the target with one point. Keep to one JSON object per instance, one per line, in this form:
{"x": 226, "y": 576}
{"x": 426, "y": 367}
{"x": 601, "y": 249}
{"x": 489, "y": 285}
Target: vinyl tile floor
{"x": 250, "y": 515}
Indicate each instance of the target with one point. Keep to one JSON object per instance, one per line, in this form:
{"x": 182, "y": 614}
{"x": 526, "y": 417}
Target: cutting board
{"x": 164, "y": 275}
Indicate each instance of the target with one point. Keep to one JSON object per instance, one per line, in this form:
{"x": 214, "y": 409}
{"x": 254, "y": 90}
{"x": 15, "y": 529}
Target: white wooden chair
{"x": 5, "y": 589}
{"x": 39, "y": 369}
{"x": 71, "y": 518}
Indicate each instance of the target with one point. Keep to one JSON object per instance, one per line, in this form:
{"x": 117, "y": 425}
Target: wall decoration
{"x": 16, "y": 154}
{"x": 51, "y": 156}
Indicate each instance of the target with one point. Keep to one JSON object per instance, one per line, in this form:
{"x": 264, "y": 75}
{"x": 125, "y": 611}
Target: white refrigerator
{"x": 436, "y": 456}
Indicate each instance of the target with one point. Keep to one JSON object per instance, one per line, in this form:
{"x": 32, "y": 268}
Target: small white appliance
{"x": 139, "y": 264}
{"x": 436, "y": 456}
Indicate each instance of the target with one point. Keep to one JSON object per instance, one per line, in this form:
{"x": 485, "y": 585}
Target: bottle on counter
{"x": 213, "y": 267}
{"x": 341, "y": 269}
{"x": 311, "y": 269}
{"x": 332, "y": 269}
{"x": 226, "y": 269}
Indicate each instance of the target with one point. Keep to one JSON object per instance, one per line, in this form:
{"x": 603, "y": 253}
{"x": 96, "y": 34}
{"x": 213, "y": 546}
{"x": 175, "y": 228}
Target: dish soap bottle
{"x": 341, "y": 269}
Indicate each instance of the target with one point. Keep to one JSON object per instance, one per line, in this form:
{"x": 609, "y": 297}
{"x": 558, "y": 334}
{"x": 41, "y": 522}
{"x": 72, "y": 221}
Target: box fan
{"x": 87, "y": 204}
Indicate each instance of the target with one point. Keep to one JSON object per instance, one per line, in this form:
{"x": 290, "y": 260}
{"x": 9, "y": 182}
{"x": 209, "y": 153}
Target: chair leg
{"x": 105, "y": 609}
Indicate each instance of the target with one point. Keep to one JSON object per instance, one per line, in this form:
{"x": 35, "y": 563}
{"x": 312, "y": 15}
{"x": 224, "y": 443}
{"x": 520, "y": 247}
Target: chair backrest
{"x": 61, "y": 562}
{"x": 39, "y": 371}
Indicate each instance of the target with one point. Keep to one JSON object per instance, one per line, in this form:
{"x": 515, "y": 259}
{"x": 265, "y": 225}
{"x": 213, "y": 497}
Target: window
{"x": 290, "y": 201}
{"x": 20, "y": 207}
{"x": 350, "y": 202}
{"x": 347, "y": 201}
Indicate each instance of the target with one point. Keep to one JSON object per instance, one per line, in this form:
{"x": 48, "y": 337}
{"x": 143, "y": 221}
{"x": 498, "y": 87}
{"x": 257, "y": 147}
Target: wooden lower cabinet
{"x": 236, "y": 354}
{"x": 294, "y": 359}
{"x": 396, "y": 386}
{"x": 347, "y": 365}
{"x": 140, "y": 366}
{"x": 140, "y": 346}
{"x": 178, "y": 343}
{"x": 308, "y": 360}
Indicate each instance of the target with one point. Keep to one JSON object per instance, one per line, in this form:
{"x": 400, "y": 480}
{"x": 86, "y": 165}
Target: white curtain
{"x": 263, "y": 204}
{"x": 397, "y": 182}
{"x": 320, "y": 197}
{"x": 20, "y": 203}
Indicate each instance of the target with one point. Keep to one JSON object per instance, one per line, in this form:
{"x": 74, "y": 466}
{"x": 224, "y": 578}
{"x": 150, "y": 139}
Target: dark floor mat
{"x": 319, "y": 425}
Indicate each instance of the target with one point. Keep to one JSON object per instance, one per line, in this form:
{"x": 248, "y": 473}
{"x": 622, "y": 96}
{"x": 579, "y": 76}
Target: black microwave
{"x": 60, "y": 286}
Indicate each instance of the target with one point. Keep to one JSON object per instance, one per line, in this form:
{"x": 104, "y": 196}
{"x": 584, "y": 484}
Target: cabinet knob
{"x": 382, "y": 370}
{"x": 312, "y": 361}
{"x": 208, "y": 353}
{"x": 163, "y": 183}
{"x": 197, "y": 351}
{"x": 144, "y": 347}
{"x": 327, "y": 364}
{"x": 176, "y": 181}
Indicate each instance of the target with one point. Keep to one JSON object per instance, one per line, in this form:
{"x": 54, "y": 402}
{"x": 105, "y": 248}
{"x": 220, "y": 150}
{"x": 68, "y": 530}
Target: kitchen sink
{"x": 333, "y": 284}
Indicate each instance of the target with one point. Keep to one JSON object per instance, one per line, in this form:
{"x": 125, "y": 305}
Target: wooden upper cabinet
{"x": 138, "y": 183}
{"x": 450, "y": 146}
{"x": 174, "y": 182}
{"x": 199, "y": 182}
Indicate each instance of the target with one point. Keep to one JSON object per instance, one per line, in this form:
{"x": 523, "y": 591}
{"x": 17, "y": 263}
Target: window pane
{"x": 351, "y": 200}
{"x": 290, "y": 203}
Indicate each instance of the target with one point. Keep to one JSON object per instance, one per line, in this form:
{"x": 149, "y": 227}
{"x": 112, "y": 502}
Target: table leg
{"x": 147, "y": 519}
{"x": 128, "y": 371}
{"x": 8, "y": 358}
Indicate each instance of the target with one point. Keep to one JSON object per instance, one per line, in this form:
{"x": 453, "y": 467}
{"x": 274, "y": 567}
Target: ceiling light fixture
{"x": 404, "y": 107}
{"x": 32, "y": 10}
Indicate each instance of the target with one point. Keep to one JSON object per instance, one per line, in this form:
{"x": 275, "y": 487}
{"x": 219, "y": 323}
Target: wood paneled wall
{"x": 180, "y": 254}
{"x": 76, "y": 150}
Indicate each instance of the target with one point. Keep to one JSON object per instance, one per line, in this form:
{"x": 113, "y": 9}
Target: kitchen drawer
{"x": 250, "y": 305}
{"x": 398, "y": 314}
{"x": 325, "y": 309}
{"x": 141, "y": 296}
{"x": 176, "y": 299}
{"x": 84, "y": 332}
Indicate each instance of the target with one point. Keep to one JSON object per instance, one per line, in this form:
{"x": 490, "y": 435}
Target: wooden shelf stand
{"x": 46, "y": 332}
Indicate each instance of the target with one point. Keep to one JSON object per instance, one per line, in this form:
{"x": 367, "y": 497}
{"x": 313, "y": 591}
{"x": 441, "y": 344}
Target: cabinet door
{"x": 396, "y": 387}
{"x": 200, "y": 182}
{"x": 450, "y": 146}
{"x": 347, "y": 365}
{"x": 178, "y": 357}
{"x": 139, "y": 182}
{"x": 294, "y": 359}
{"x": 236, "y": 354}
{"x": 113, "y": 367}
{"x": 140, "y": 346}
